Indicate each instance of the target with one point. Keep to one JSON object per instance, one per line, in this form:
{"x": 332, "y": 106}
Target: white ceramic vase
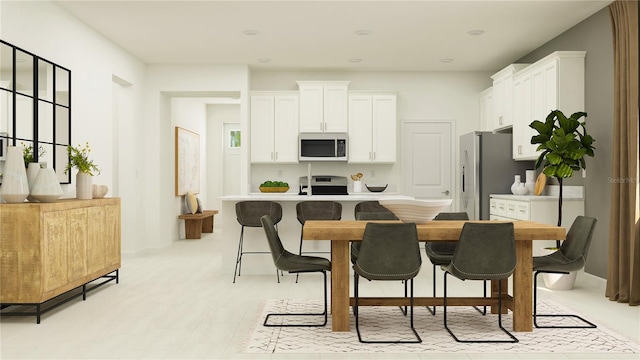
{"x": 521, "y": 189}
{"x": 530, "y": 181}
{"x": 84, "y": 186}
{"x": 46, "y": 187}
{"x": 357, "y": 186}
{"x": 32, "y": 173}
{"x": 15, "y": 185}
{"x": 516, "y": 183}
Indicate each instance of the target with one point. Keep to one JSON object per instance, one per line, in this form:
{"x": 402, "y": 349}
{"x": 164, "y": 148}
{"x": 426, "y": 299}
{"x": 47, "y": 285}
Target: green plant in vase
{"x": 79, "y": 159}
{"x": 564, "y": 143}
{"x": 27, "y": 153}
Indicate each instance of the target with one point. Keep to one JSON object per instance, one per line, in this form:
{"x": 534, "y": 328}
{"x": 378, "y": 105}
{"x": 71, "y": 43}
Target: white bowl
{"x": 413, "y": 210}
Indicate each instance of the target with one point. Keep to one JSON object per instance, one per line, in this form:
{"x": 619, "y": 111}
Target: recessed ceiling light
{"x": 355, "y": 60}
{"x": 363, "y": 32}
{"x": 264, "y": 60}
{"x": 475, "y": 32}
{"x": 446, "y": 60}
{"x": 250, "y": 32}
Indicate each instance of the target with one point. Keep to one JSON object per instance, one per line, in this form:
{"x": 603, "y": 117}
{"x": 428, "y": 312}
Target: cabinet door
{"x": 286, "y": 129}
{"x": 56, "y": 234}
{"x": 312, "y": 108}
{"x": 384, "y": 128}
{"x": 262, "y": 125}
{"x": 97, "y": 239}
{"x": 112, "y": 235}
{"x": 360, "y": 129}
{"x": 486, "y": 110}
{"x": 522, "y": 133}
{"x": 335, "y": 108}
{"x": 498, "y": 103}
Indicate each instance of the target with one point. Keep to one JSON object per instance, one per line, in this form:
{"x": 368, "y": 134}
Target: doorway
{"x": 427, "y": 157}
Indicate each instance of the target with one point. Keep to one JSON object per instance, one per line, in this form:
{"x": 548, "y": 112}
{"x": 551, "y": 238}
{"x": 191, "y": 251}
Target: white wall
{"x": 421, "y": 96}
{"x": 165, "y": 82}
{"x": 43, "y": 28}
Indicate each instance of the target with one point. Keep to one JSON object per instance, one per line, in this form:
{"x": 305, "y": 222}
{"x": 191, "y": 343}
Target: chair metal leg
{"x": 513, "y": 338}
{"x": 357, "y": 315}
{"x": 433, "y": 312}
{"x": 239, "y": 255}
{"x": 536, "y": 315}
{"x": 324, "y": 274}
{"x": 484, "y": 292}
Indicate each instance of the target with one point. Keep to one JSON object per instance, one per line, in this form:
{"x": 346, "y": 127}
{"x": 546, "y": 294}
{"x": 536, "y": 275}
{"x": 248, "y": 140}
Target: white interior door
{"x": 232, "y": 141}
{"x": 427, "y": 149}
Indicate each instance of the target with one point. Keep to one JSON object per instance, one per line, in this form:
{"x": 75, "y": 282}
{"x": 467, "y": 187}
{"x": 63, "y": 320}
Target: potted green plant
{"x": 564, "y": 143}
{"x": 79, "y": 159}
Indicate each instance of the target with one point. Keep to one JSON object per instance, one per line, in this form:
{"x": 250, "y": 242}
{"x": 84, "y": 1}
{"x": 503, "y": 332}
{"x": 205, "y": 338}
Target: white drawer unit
{"x": 543, "y": 209}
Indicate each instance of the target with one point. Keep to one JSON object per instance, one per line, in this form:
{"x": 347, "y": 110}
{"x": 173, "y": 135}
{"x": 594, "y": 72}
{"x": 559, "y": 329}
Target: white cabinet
{"x": 274, "y": 127}
{"x": 555, "y": 82}
{"x": 486, "y": 110}
{"x": 543, "y": 209}
{"x": 503, "y": 96}
{"x": 323, "y": 106}
{"x": 372, "y": 128}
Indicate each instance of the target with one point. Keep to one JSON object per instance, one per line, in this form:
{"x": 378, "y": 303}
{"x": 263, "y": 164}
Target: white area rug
{"x": 388, "y": 323}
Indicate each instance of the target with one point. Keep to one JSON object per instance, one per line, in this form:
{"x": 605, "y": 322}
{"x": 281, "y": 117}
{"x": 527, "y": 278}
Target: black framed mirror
{"x": 35, "y": 107}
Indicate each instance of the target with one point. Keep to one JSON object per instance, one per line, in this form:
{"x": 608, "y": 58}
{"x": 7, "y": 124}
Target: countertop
{"x": 533, "y": 197}
{"x": 293, "y": 196}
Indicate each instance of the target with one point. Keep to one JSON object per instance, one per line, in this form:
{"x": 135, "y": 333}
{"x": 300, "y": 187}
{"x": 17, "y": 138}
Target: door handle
{"x": 446, "y": 192}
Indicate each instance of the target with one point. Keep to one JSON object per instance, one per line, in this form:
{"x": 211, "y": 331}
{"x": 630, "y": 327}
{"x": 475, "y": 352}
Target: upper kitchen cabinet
{"x": 555, "y": 82}
{"x": 323, "y": 106}
{"x": 372, "y": 128}
{"x": 503, "y": 96}
{"x": 274, "y": 127}
{"x": 486, "y": 110}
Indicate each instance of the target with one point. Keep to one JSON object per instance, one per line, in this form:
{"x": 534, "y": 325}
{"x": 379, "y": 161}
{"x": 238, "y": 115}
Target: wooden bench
{"x": 196, "y": 224}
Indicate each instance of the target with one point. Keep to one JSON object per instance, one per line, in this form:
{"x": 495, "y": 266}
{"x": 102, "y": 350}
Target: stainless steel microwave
{"x": 323, "y": 147}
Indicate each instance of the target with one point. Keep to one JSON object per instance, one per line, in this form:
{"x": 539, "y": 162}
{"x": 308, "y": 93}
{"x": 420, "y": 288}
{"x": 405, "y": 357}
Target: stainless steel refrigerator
{"x": 487, "y": 168}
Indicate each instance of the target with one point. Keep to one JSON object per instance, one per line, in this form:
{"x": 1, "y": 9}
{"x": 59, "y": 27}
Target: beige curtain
{"x": 623, "y": 278}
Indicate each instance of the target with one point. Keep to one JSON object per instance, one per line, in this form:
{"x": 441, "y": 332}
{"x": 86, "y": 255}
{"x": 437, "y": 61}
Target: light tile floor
{"x": 175, "y": 303}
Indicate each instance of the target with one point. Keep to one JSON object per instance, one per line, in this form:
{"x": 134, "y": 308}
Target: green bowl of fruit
{"x": 274, "y": 187}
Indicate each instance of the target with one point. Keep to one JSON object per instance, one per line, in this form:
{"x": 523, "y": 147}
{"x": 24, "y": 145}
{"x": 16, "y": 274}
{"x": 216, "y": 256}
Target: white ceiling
{"x": 321, "y": 35}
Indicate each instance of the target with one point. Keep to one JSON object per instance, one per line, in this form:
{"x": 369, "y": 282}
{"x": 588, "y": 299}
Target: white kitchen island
{"x": 288, "y": 228}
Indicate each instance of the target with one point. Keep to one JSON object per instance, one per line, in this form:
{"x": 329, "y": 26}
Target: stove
{"x": 324, "y": 185}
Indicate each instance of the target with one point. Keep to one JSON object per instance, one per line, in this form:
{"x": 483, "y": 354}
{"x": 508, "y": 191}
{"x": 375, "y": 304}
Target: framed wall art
{"x": 187, "y": 162}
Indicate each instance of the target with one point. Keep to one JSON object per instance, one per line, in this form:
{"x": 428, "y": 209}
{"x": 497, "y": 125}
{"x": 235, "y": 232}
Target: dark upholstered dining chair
{"x": 389, "y": 251}
{"x": 571, "y": 256}
{"x": 248, "y": 214}
{"x": 483, "y": 252}
{"x": 316, "y": 210}
{"x": 293, "y": 263}
{"x": 441, "y": 252}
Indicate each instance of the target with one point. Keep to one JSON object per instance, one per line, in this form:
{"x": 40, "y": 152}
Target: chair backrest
{"x": 576, "y": 246}
{"x": 370, "y": 206}
{"x": 452, "y": 216}
{"x": 249, "y": 213}
{"x": 389, "y": 251}
{"x": 485, "y": 252}
{"x": 275, "y": 244}
{"x": 446, "y": 247}
{"x": 363, "y": 215}
{"x": 318, "y": 210}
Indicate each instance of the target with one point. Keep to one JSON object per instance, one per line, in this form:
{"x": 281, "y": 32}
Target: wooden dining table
{"x": 341, "y": 233}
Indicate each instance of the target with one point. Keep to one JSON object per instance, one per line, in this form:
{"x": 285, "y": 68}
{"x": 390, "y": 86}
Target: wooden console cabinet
{"x": 47, "y": 249}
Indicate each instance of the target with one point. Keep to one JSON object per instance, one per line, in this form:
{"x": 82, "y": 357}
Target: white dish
{"x": 413, "y": 210}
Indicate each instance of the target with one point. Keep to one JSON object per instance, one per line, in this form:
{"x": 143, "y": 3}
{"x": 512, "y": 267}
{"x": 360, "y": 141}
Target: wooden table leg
{"x": 340, "y": 285}
{"x": 523, "y": 286}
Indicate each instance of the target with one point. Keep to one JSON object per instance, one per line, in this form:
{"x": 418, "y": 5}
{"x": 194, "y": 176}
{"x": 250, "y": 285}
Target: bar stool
{"x": 248, "y": 214}
{"x": 316, "y": 210}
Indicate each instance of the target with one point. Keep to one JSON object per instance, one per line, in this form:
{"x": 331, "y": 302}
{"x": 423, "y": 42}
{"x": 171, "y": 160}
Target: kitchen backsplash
{"x": 291, "y": 173}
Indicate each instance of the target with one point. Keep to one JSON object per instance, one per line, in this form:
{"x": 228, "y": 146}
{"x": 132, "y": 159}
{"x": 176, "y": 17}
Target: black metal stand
{"x": 241, "y": 252}
{"x": 43, "y": 307}
{"x": 324, "y": 313}
{"x": 513, "y": 338}
{"x": 536, "y": 315}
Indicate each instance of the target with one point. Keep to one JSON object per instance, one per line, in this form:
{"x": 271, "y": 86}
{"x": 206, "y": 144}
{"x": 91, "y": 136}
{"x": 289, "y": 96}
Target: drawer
{"x": 522, "y": 211}
{"x": 511, "y": 209}
{"x": 498, "y": 207}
